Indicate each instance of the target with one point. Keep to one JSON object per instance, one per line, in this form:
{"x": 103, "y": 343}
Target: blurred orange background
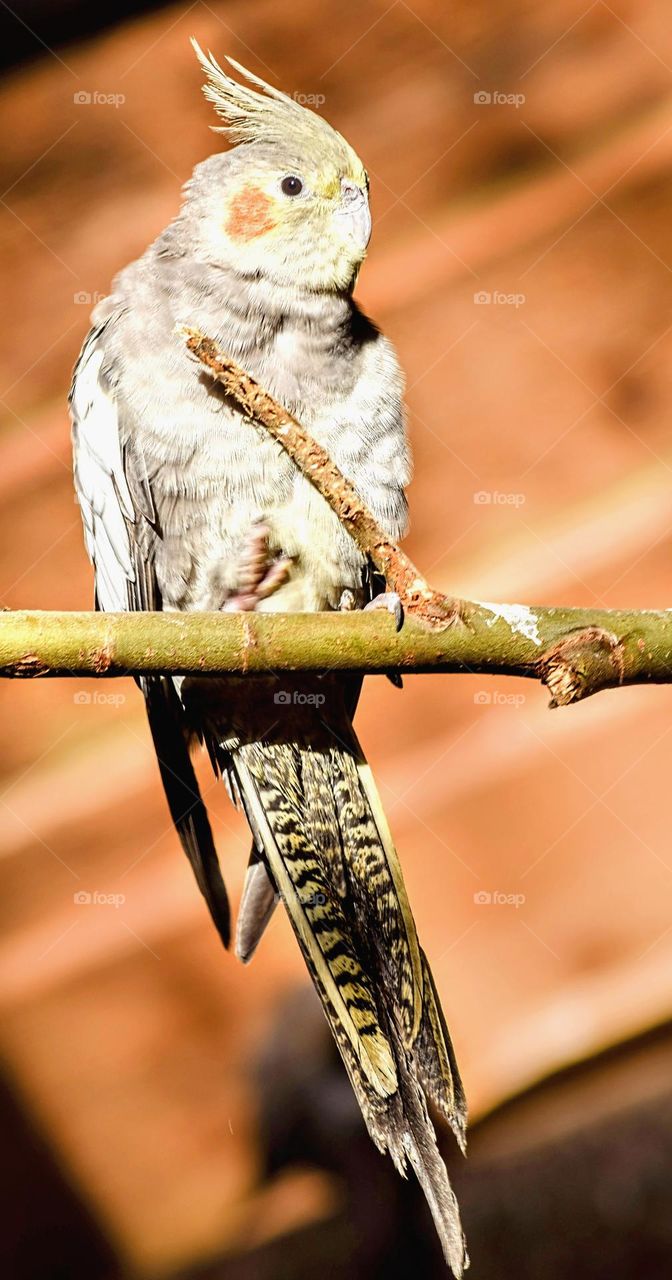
{"x": 521, "y": 168}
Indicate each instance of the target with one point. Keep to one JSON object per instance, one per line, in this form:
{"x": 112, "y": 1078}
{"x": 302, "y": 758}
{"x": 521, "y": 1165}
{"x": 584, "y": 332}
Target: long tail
{"x": 320, "y": 829}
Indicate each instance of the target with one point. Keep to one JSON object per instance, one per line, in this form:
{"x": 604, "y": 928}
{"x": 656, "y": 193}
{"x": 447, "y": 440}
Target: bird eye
{"x": 291, "y": 185}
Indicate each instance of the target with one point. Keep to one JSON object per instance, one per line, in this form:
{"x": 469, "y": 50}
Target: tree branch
{"x": 574, "y": 652}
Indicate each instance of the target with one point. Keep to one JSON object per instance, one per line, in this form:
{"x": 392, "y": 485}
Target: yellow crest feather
{"x": 265, "y": 114}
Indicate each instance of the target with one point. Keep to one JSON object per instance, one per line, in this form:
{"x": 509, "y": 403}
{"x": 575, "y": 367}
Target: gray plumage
{"x": 171, "y": 482}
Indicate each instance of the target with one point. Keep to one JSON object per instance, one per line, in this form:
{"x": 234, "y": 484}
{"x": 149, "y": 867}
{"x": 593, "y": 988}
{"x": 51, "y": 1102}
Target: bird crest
{"x": 272, "y": 117}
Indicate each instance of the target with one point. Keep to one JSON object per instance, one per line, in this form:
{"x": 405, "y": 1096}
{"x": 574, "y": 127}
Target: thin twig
{"x": 314, "y": 462}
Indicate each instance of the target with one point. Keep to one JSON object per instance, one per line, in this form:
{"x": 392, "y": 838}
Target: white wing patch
{"x": 101, "y": 486}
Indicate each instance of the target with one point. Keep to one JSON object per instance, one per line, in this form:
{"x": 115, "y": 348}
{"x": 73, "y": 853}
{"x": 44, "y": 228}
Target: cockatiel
{"x": 186, "y": 506}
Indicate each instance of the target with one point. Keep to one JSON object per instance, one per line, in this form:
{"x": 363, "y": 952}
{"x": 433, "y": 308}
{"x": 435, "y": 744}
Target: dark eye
{"x": 291, "y": 186}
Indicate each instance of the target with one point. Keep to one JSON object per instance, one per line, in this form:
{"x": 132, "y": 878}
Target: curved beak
{"x": 354, "y": 207}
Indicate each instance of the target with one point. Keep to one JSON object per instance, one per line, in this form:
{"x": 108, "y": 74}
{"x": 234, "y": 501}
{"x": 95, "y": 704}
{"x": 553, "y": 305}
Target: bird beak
{"x": 354, "y": 208}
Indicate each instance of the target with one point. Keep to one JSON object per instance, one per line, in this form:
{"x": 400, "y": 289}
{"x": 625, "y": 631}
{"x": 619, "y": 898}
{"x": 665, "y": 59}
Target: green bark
{"x": 574, "y": 651}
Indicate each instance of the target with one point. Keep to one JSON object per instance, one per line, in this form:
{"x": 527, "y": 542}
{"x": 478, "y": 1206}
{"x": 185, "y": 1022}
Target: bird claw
{"x": 391, "y": 602}
{"x": 258, "y": 578}
{"x": 387, "y": 600}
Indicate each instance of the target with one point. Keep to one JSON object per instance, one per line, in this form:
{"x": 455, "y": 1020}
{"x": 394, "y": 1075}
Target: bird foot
{"x": 259, "y": 575}
{"x": 391, "y": 602}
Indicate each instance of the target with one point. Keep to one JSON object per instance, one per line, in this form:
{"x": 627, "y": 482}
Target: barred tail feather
{"x": 270, "y": 784}
{"x": 437, "y": 1067}
{"x": 315, "y": 811}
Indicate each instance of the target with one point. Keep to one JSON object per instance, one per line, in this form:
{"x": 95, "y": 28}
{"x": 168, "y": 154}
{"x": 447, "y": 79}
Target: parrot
{"x": 187, "y": 506}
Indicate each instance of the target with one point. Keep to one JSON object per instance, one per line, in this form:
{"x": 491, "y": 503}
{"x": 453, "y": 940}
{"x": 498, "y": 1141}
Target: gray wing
{"x": 122, "y": 534}
{"x": 108, "y": 511}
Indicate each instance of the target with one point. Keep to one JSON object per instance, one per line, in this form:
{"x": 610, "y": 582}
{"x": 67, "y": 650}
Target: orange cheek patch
{"x": 250, "y": 214}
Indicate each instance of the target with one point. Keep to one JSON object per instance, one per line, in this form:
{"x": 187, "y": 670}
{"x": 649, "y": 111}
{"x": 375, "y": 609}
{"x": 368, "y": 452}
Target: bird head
{"x": 290, "y": 202}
